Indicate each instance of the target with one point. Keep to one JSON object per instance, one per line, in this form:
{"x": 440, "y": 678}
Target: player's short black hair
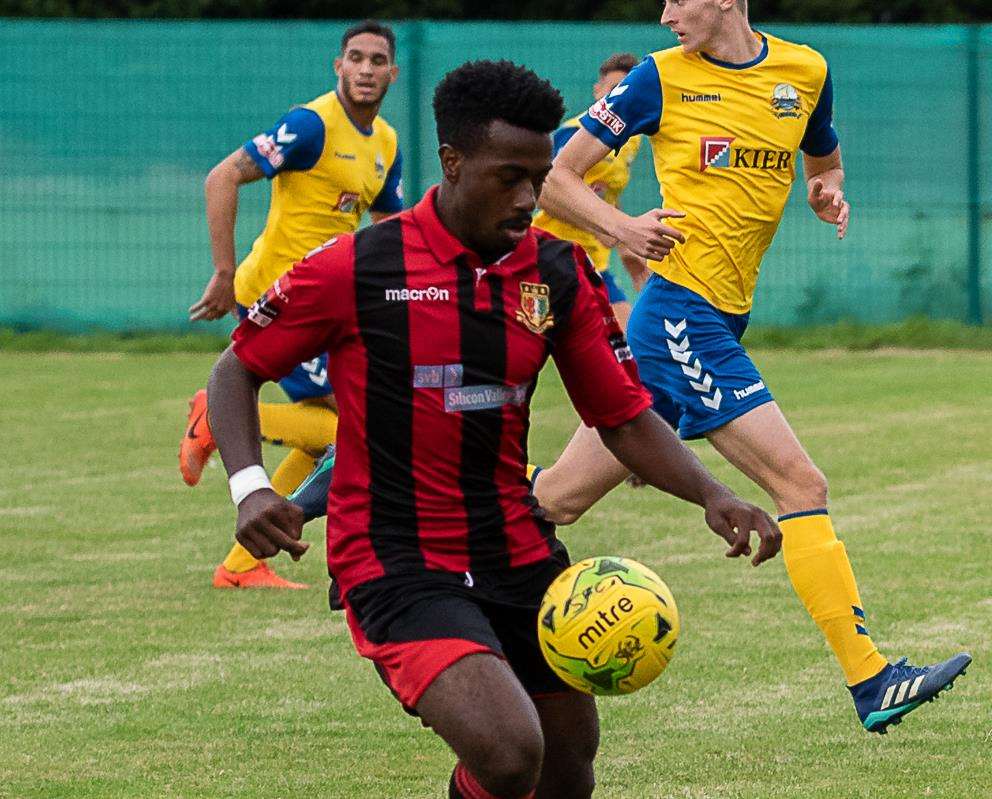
{"x": 618, "y": 62}
{"x": 475, "y": 94}
{"x": 371, "y": 26}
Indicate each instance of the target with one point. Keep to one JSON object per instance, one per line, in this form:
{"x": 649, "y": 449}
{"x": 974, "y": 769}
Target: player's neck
{"x": 361, "y": 115}
{"x": 459, "y": 224}
{"x": 735, "y": 44}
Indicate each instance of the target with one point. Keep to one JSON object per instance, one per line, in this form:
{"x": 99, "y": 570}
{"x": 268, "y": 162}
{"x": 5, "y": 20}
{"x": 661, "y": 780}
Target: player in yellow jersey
{"x": 608, "y": 179}
{"x": 329, "y": 161}
{"x": 726, "y": 112}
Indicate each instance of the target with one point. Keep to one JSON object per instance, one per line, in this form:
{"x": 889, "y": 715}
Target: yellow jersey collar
{"x": 364, "y": 131}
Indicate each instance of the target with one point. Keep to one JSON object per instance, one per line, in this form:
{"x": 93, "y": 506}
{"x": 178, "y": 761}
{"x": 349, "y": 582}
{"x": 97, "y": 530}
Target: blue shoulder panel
{"x": 560, "y": 138}
{"x": 390, "y": 199}
{"x": 632, "y": 108}
{"x": 294, "y": 142}
{"x": 821, "y": 138}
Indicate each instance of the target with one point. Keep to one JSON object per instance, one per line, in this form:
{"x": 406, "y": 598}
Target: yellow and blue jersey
{"x": 608, "y": 179}
{"x": 724, "y": 139}
{"x": 326, "y": 171}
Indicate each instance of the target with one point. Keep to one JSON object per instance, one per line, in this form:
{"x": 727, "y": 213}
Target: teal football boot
{"x": 311, "y": 495}
{"x": 900, "y": 688}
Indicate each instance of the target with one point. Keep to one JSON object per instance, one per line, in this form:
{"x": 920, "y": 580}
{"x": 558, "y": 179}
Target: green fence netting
{"x": 107, "y": 130}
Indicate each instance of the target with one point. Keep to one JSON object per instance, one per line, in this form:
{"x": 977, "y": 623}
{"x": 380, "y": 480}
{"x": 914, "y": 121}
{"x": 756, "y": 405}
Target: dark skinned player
{"x": 437, "y": 322}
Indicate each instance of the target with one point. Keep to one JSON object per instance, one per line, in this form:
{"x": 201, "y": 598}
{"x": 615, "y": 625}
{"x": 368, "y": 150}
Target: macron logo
{"x": 431, "y": 293}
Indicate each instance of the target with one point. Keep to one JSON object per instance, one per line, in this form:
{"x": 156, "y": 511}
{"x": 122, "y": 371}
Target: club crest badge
{"x": 535, "y": 307}
{"x": 786, "y": 102}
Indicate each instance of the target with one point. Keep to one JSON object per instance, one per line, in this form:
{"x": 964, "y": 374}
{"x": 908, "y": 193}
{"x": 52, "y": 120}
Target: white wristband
{"x": 247, "y": 481}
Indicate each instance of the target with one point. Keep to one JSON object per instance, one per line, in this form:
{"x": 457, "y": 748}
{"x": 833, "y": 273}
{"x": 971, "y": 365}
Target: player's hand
{"x": 648, "y": 236}
{"x": 829, "y": 205}
{"x": 734, "y": 520}
{"x": 636, "y": 267}
{"x": 217, "y": 299}
{"x": 268, "y": 523}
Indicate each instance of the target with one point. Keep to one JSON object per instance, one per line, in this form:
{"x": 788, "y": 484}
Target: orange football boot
{"x": 198, "y": 442}
{"x": 259, "y": 577}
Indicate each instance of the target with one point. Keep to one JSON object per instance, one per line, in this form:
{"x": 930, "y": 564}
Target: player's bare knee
{"x": 511, "y": 766}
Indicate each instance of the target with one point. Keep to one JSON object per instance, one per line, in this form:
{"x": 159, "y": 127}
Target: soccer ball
{"x": 608, "y": 625}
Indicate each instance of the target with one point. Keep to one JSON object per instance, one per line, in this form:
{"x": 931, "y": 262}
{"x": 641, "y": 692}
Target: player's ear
{"x": 394, "y": 73}
{"x": 451, "y": 162}
{"x": 337, "y": 66}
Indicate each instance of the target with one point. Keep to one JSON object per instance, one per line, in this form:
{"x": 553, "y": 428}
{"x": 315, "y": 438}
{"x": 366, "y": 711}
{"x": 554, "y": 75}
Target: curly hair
{"x": 475, "y": 94}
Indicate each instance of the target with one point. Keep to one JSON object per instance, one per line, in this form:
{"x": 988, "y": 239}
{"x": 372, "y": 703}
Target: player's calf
{"x": 570, "y": 723}
{"x": 802, "y": 487}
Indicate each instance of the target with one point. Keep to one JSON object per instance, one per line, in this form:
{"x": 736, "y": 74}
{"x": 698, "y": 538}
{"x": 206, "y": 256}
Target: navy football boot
{"x": 311, "y": 494}
{"x": 900, "y": 688}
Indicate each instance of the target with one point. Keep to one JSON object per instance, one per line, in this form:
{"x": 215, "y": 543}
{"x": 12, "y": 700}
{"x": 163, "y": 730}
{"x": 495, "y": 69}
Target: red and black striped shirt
{"x": 434, "y": 357}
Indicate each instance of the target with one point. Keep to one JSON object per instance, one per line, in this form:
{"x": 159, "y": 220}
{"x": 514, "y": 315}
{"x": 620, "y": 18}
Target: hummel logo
{"x": 681, "y": 353}
{"x": 701, "y": 98}
{"x": 744, "y": 393}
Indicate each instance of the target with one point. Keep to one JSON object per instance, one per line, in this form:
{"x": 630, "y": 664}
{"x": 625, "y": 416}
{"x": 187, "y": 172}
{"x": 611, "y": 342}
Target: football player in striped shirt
{"x": 727, "y": 111}
{"x": 438, "y": 322}
{"x": 608, "y": 179}
{"x": 330, "y": 161}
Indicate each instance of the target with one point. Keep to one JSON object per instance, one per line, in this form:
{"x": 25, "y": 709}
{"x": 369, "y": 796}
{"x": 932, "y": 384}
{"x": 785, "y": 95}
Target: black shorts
{"x": 414, "y": 626}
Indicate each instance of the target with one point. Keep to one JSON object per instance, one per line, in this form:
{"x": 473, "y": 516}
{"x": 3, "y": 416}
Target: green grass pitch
{"x": 123, "y": 674}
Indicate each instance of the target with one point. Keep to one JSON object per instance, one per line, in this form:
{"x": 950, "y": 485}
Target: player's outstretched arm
{"x": 266, "y": 521}
{"x": 825, "y": 189}
{"x": 567, "y": 197}
{"x": 648, "y": 447}
{"x": 221, "y": 190}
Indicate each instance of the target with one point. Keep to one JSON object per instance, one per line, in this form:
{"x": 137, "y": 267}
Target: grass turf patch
{"x": 123, "y": 674}
{"x": 916, "y": 333}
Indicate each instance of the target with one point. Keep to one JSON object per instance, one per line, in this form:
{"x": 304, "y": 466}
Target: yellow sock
{"x": 298, "y": 425}
{"x": 822, "y": 577}
{"x": 532, "y": 469}
{"x": 240, "y": 560}
{"x": 292, "y": 471}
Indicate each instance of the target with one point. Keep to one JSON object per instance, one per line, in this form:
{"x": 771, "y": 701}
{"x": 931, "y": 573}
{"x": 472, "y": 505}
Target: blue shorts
{"x": 306, "y": 381}
{"x": 613, "y": 291}
{"x": 691, "y": 360}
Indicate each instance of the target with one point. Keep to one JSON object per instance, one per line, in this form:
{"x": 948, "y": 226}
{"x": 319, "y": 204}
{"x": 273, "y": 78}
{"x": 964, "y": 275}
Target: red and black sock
{"x": 464, "y": 786}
